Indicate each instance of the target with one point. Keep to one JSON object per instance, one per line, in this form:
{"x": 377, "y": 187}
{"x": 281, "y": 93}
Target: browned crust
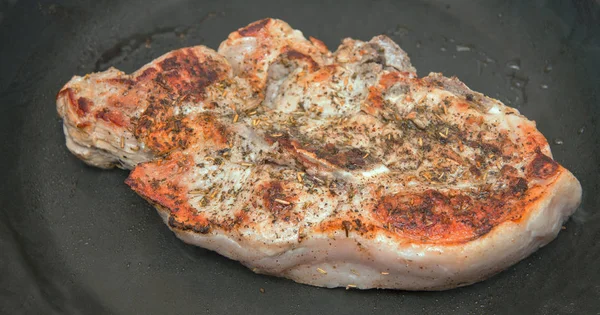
{"x": 168, "y": 193}
{"x": 279, "y": 201}
{"x": 298, "y": 56}
{"x": 432, "y": 216}
{"x": 254, "y": 28}
{"x": 111, "y": 116}
{"x": 84, "y": 106}
{"x": 542, "y": 167}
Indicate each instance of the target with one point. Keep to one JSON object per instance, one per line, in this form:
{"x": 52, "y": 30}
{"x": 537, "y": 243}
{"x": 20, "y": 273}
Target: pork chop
{"x": 330, "y": 169}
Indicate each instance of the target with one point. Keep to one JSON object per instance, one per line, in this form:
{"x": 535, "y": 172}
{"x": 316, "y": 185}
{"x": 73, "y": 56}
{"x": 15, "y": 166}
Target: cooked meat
{"x": 331, "y": 169}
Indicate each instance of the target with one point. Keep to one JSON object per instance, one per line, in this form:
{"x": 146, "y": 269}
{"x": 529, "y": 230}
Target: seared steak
{"x": 331, "y": 169}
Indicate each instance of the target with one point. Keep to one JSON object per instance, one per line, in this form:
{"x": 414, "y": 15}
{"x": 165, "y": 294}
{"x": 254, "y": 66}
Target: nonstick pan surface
{"x": 74, "y": 239}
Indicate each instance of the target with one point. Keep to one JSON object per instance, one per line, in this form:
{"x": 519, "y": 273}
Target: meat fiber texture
{"x": 330, "y": 169}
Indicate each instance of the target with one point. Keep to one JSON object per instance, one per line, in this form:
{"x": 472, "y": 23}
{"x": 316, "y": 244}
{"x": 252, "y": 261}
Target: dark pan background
{"x": 74, "y": 239}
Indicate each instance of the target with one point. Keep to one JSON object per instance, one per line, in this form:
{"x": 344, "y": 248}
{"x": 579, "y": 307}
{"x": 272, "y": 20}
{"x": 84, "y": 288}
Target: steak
{"x": 328, "y": 168}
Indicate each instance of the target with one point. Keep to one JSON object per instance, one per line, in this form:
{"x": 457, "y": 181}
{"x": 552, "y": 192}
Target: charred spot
{"x": 84, "y": 105}
{"x": 353, "y": 159}
{"x": 174, "y": 187}
{"x": 359, "y": 225}
{"x": 483, "y": 229}
{"x": 169, "y": 63}
{"x": 461, "y": 204}
{"x": 184, "y": 226}
{"x": 475, "y": 171}
{"x": 469, "y": 97}
{"x": 447, "y": 217}
{"x": 223, "y": 151}
{"x": 489, "y": 148}
{"x": 486, "y": 148}
{"x": 348, "y": 159}
{"x": 123, "y": 81}
{"x": 412, "y": 212}
{"x": 276, "y": 200}
{"x": 508, "y": 171}
{"x": 111, "y": 116}
{"x": 185, "y": 74}
{"x": 143, "y": 123}
{"x": 284, "y": 141}
{"x": 202, "y": 75}
{"x": 542, "y": 167}
{"x": 253, "y": 28}
{"x": 147, "y": 74}
{"x": 517, "y": 186}
{"x": 173, "y": 76}
{"x": 296, "y": 55}
{"x": 164, "y": 82}
{"x": 203, "y": 229}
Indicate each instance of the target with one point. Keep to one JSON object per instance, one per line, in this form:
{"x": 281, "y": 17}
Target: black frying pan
{"x": 75, "y": 239}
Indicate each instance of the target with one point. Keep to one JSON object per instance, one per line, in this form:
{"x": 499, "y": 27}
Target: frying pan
{"x": 76, "y": 240}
